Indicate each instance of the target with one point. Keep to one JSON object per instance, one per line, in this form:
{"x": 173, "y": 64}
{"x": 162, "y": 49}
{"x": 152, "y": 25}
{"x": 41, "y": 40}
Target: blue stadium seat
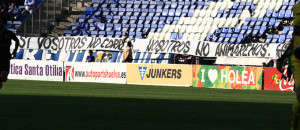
{"x": 253, "y": 21}
{"x": 277, "y": 24}
{"x": 220, "y": 39}
{"x": 93, "y": 26}
{"x": 289, "y": 37}
{"x": 174, "y": 5}
{"x": 165, "y": 12}
{"x": 235, "y": 5}
{"x": 272, "y": 22}
{"x": 256, "y": 31}
{"x": 191, "y": 13}
{"x": 94, "y": 33}
{"x": 281, "y": 39}
{"x": 171, "y": 12}
{"x": 89, "y": 11}
{"x": 76, "y": 33}
{"x": 86, "y": 33}
{"x": 243, "y": 29}
{"x": 233, "y": 38}
{"x": 84, "y": 26}
{"x": 275, "y": 14}
{"x": 275, "y": 38}
{"x": 227, "y": 38}
{"x": 132, "y": 34}
{"x": 74, "y": 26}
{"x": 178, "y": 12}
{"x": 102, "y": 33}
{"x": 269, "y": 39}
{"x": 281, "y": 14}
{"x": 247, "y": 21}
{"x": 288, "y": 14}
{"x": 101, "y": 26}
{"x": 152, "y": 4}
{"x": 262, "y": 31}
{"x": 68, "y": 32}
{"x": 285, "y": 30}
{"x": 81, "y": 18}
{"x": 240, "y": 38}
{"x": 145, "y": 4}
{"x": 109, "y": 27}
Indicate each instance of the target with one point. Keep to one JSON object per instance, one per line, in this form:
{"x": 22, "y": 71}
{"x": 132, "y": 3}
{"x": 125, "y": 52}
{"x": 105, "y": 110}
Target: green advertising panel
{"x": 229, "y": 77}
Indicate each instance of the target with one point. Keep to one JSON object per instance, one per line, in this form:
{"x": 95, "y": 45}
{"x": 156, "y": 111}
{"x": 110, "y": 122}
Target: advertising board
{"x": 228, "y": 77}
{"x": 173, "y": 75}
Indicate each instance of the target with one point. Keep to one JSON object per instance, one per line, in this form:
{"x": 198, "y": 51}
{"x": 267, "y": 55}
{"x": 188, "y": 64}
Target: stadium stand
{"x": 17, "y": 15}
{"x": 223, "y": 21}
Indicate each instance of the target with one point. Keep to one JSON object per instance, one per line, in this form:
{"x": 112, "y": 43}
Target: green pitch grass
{"x": 57, "y": 105}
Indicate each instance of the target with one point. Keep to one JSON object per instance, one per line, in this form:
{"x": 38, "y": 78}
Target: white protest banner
{"x": 186, "y": 47}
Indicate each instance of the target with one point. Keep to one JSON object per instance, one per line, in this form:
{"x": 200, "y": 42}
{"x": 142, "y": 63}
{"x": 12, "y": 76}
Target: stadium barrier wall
{"x": 152, "y": 74}
{"x": 209, "y": 76}
{"x": 36, "y": 70}
{"x": 95, "y": 72}
{"x": 274, "y": 80}
{"x": 227, "y": 77}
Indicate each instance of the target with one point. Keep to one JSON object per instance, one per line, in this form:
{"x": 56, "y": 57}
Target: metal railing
{"x": 45, "y": 16}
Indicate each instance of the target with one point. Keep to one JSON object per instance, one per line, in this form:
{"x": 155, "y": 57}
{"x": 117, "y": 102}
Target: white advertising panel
{"x": 36, "y": 70}
{"x": 95, "y": 72}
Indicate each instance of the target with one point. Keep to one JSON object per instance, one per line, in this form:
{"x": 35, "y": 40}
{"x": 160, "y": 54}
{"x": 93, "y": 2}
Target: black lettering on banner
{"x": 117, "y": 44}
{"x": 45, "y": 42}
{"x": 180, "y": 46}
{"x": 61, "y": 44}
{"x": 40, "y": 43}
{"x": 76, "y": 42}
{"x": 204, "y": 49}
{"x": 175, "y": 46}
{"x": 174, "y": 73}
{"x": 150, "y": 45}
{"x": 230, "y": 49}
{"x": 172, "y": 42}
{"x": 164, "y": 73}
{"x": 54, "y": 47}
{"x": 251, "y": 47}
{"x": 157, "y": 47}
{"x": 236, "y": 49}
{"x": 67, "y": 43}
{"x": 164, "y": 44}
{"x": 245, "y": 50}
{"x": 241, "y": 46}
{"x": 264, "y": 50}
{"x": 148, "y": 75}
{"x": 23, "y": 43}
{"x": 281, "y": 49}
{"x": 110, "y": 44}
{"x": 179, "y": 74}
{"x": 96, "y": 42}
{"x": 257, "y": 49}
{"x": 28, "y": 41}
{"x": 82, "y": 41}
{"x": 187, "y": 47}
{"x": 154, "y": 73}
{"x": 91, "y": 44}
{"x": 169, "y": 73}
{"x": 121, "y": 45}
{"x": 226, "y": 50}
{"x": 103, "y": 43}
{"x": 218, "y": 49}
